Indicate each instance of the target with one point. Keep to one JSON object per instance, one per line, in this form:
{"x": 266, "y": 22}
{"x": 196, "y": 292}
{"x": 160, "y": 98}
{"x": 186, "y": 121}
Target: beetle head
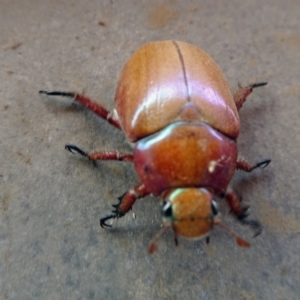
{"x": 191, "y": 213}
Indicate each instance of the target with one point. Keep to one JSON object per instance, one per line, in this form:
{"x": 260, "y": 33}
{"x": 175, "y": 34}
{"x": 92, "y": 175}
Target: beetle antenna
{"x": 241, "y": 242}
{"x": 153, "y": 245}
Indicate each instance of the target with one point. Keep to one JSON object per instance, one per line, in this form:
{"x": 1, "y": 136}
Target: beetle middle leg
{"x": 243, "y": 92}
{"x": 241, "y": 212}
{"x": 125, "y": 204}
{"x": 101, "y": 155}
{"x": 243, "y": 165}
{"x": 88, "y": 103}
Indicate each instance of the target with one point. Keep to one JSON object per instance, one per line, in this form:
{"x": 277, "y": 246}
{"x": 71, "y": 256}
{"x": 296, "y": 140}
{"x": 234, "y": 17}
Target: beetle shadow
{"x": 256, "y": 114}
{"x": 244, "y": 184}
{"x": 60, "y": 104}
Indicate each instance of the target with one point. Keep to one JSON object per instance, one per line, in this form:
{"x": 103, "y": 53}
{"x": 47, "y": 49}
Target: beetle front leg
{"x": 101, "y": 155}
{"x": 243, "y": 165}
{"x": 241, "y": 212}
{"x": 88, "y": 103}
{"x": 125, "y": 203}
{"x": 243, "y": 92}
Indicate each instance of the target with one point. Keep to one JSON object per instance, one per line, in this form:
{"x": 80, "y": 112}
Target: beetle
{"x": 175, "y": 105}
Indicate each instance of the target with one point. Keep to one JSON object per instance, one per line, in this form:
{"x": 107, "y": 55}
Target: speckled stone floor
{"x": 51, "y": 245}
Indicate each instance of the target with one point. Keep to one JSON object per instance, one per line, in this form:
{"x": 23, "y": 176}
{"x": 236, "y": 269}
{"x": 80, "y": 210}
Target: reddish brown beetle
{"x": 175, "y": 104}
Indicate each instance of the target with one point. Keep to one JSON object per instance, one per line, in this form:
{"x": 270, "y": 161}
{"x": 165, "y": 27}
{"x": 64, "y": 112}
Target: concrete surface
{"x": 51, "y": 245}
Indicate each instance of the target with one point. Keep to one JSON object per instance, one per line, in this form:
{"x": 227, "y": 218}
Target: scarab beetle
{"x": 174, "y": 103}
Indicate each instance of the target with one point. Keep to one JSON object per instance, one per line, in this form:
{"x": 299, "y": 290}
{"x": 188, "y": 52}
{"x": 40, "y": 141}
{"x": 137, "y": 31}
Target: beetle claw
{"x": 255, "y": 85}
{"x": 103, "y": 223}
{"x": 116, "y": 211}
{"x": 58, "y": 93}
{"x": 74, "y": 149}
{"x": 243, "y": 216}
{"x": 255, "y": 225}
{"x": 245, "y": 208}
{"x": 115, "y": 214}
{"x": 121, "y": 197}
{"x": 262, "y": 164}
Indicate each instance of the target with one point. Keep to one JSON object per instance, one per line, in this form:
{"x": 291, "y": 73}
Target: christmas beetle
{"x": 175, "y": 105}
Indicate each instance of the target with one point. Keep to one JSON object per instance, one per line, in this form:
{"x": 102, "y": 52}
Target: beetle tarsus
{"x": 74, "y": 149}
{"x": 120, "y": 199}
{"x": 254, "y": 224}
{"x": 116, "y": 210}
{"x": 243, "y": 215}
{"x": 243, "y": 92}
{"x": 245, "y": 208}
{"x": 262, "y": 164}
{"x": 255, "y": 85}
{"x": 245, "y": 166}
{"x": 58, "y": 93}
{"x": 241, "y": 212}
{"x": 88, "y": 103}
{"x": 115, "y": 215}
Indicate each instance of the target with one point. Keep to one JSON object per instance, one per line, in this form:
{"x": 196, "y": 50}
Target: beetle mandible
{"x": 174, "y": 103}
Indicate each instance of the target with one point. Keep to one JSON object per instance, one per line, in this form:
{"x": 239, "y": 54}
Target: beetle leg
{"x": 247, "y": 167}
{"x": 101, "y": 155}
{"x": 240, "y": 211}
{"x": 125, "y": 204}
{"x": 88, "y": 103}
{"x": 243, "y": 92}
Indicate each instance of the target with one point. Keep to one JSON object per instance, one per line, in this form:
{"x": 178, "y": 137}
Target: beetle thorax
{"x": 185, "y": 155}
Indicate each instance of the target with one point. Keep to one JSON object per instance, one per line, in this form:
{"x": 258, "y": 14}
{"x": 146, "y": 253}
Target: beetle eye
{"x": 167, "y": 209}
{"x": 214, "y": 207}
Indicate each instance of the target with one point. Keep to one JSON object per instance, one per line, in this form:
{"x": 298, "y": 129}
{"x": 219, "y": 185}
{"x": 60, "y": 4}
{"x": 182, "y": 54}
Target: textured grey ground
{"x": 51, "y": 246}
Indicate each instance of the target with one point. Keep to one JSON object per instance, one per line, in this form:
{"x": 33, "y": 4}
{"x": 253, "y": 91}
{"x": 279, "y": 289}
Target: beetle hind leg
{"x": 243, "y": 92}
{"x": 241, "y": 212}
{"x": 125, "y": 204}
{"x": 88, "y": 103}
